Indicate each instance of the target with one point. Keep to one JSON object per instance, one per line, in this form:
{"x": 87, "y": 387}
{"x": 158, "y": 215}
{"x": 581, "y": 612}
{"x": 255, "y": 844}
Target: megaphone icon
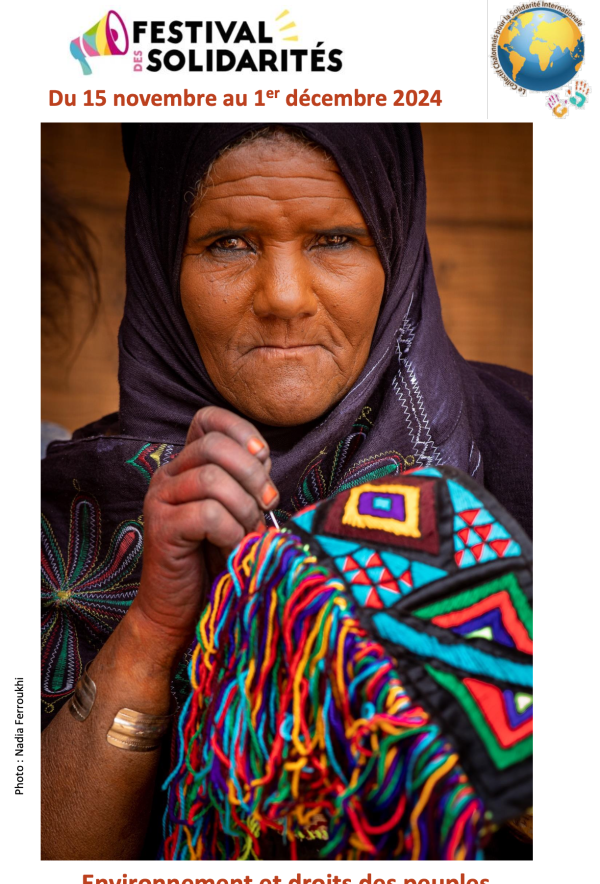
{"x": 107, "y": 37}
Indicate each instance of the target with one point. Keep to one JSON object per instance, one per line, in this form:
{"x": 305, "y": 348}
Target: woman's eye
{"x": 230, "y": 244}
{"x": 336, "y": 239}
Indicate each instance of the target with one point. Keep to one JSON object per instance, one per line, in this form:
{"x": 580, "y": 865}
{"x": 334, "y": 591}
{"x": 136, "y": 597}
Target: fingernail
{"x": 268, "y": 496}
{"x": 255, "y": 445}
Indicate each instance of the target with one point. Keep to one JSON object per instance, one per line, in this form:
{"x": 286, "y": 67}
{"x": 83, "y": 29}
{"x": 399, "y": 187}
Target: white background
{"x": 387, "y": 46}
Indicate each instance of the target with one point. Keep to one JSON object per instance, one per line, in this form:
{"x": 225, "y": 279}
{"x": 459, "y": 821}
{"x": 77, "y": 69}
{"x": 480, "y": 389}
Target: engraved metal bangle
{"x": 137, "y": 731}
{"x": 80, "y": 704}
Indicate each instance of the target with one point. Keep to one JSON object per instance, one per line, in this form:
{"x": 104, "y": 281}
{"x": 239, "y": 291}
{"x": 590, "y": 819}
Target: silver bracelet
{"x": 80, "y": 704}
{"x": 137, "y": 731}
{"x": 130, "y": 730}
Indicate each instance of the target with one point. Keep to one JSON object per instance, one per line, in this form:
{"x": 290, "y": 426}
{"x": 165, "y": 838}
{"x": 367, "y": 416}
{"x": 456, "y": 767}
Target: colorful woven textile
{"x": 363, "y": 677}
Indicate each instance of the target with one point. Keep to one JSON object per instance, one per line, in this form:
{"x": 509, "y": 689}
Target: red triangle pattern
{"x": 386, "y": 577}
{"x": 499, "y": 547}
{"x": 477, "y": 550}
{"x": 361, "y": 578}
{"x": 483, "y": 530}
{"x": 373, "y": 600}
{"x": 374, "y": 561}
{"x": 390, "y": 584}
{"x": 385, "y": 580}
{"x": 464, "y": 535}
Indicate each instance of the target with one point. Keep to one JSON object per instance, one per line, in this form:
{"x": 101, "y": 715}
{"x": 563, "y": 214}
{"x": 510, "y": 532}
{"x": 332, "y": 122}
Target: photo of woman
{"x": 282, "y": 348}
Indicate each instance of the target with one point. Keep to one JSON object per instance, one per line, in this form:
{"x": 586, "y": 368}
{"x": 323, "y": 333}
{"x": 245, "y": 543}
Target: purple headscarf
{"x": 420, "y": 402}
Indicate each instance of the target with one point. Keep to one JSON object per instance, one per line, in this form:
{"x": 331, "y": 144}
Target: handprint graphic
{"x": 558, "y": 106}
{"x": 578, "y": 94}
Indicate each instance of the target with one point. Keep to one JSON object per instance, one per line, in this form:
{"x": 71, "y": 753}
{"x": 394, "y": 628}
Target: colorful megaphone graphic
{"x": 107, "y": 37}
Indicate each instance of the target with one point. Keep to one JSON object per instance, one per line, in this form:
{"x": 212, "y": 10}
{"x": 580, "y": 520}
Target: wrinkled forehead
{"x": 366, "y": 157}
{"x": 283, "y": 202}
{"x": 275, "y": 176}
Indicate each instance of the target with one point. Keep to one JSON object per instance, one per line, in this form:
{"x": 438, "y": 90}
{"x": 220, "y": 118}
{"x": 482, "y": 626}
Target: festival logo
{"x": 206, "y": 46}
{"x": 107, "y": 37}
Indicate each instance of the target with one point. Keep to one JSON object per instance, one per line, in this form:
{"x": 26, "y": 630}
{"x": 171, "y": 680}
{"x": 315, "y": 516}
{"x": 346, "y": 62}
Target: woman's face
{"x": 281, "y": 282}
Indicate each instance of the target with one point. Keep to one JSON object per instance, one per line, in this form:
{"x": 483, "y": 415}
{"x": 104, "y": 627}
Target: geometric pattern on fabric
{"x": 305, "y": 517}
{"x": 393, "y": 514}
{"x": 478, "y": 536}
{"x": 377, "y": 579}
{"x": 455, "y": 613}
{"x": 82, "y": 594}
{"x": 508, "y": 740}
{"x": 461, "y": 656}
{"x": 393, "y": 508}
{"x": 497, "y": 611}
{"x": 150, "y": 457}
{"x": 520, "y": 707}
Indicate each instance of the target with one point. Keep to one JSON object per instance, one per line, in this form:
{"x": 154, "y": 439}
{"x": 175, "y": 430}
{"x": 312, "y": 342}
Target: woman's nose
{"x": 284, "y": 285}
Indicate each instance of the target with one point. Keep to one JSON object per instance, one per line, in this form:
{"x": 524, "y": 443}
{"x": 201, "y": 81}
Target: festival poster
{"x": 274, "y": 276}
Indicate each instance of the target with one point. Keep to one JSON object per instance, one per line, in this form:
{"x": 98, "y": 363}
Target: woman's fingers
{"x": 208, "y": 520}
{"x": 219, "y": 420}
{"x": 212, "y": 481}
{"x": 215, "y": 490}
{"x": 219, "y": 449}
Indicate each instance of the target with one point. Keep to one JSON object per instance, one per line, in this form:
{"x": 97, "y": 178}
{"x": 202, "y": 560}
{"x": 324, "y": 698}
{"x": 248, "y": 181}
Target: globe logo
{"x": 541, "y": 49}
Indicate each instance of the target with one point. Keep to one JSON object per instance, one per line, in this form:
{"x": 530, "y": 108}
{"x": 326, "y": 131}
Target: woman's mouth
{"x": 285, "y": 351}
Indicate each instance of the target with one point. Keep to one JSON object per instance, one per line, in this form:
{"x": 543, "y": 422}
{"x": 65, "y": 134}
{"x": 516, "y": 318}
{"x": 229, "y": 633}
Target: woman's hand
{"x": 215, "y": 490}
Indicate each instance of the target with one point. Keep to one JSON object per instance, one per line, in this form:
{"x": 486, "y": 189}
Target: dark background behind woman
{"x": 479, "y": 180}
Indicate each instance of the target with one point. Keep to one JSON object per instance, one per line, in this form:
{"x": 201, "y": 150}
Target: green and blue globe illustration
{"x": 540, "y": 49}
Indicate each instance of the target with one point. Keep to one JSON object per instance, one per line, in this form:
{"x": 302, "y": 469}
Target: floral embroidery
{"x": 83, "y": 594}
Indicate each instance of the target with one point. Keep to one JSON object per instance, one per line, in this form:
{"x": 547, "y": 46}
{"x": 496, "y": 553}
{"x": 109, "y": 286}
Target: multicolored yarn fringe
{"x": 298, "y": 723}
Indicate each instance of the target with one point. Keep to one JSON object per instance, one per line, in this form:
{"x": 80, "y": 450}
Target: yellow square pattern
{"x": 407, "y": 528}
